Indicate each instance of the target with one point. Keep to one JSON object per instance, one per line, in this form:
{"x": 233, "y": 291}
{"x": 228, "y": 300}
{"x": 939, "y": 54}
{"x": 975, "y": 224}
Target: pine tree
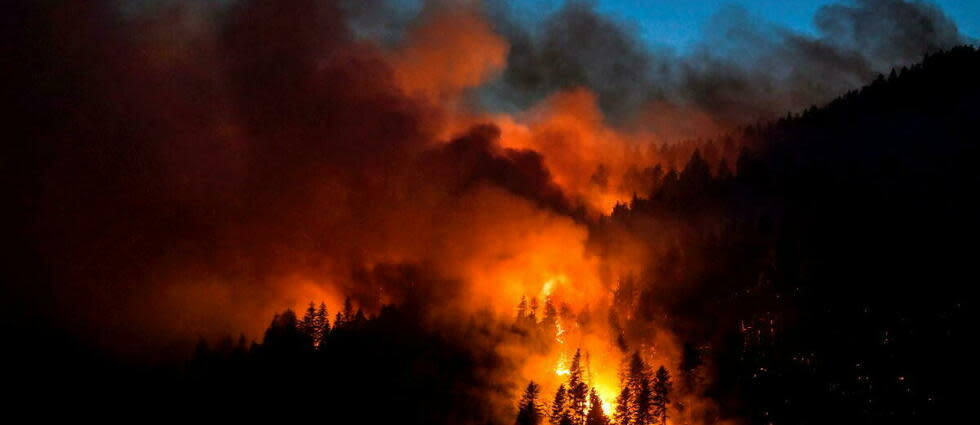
{"x": 578, "y": 391}
{"x": 323, "y": 323}
{"x": 661, "y": 395}
{"x": 344, "y": 316}
{"x": 596, "y": 415}
{"x": 522, "y": 310}
{"x": 622, "y": 415}
{"x": 348, "y": 310}
{"x": 308, "y": 325}
{"x": 638, "y": 382}
{"x": 550, "y": 313}
{"x": 532, "y": 315}
{"x": 549, "y": 325}
{"x": 643, "y": 413}
{"x": 528, "y": 411}
{"x": 558, "y": 406}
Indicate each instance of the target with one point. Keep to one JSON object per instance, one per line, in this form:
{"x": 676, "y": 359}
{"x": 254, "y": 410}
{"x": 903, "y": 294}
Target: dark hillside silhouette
{"x": 834, "y": 263}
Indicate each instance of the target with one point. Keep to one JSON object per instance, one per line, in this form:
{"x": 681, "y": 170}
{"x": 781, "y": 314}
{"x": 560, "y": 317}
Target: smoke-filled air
{"x": 439, "y": 211}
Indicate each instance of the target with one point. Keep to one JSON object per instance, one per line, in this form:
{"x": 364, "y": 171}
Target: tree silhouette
{"x": 522, "y": 310}
{"x": 323, "y": 325}
{"x": 643, "y": 413}
{"x": 558, "y": 406}
{"x": 596, "y": 415}
{"x": 661, "y": 395}
{"x": 532, "y": 315}
{"x": 308, "y": 324}
{"x": 623, "y": 414}
{"x": 578, "y": 391}
{"x": 640, "y": 400}
{"x": 344, "y": 316}
{"x": 529, "y": 411}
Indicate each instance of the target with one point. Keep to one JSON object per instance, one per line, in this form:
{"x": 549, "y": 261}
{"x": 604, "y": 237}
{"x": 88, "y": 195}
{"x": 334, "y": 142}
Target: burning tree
{"x": 644, "y": 398}
{"x": 529, "y": 411}
{"x": 558, "y": 407}
{"x": 661, "y": 395}
{"x": 596, "y": 415}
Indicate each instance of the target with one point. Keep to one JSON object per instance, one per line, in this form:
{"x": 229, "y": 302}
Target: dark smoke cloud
{"x": 476, "y": 158}
{"x": 190, "y": 154}
{"x": 576, "y": 47}
{"x": 173, "y": 163}
{"x": 741, "y": 72}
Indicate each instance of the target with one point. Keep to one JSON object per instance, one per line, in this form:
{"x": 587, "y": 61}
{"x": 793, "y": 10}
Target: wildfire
{"x": 607, "y": 391}
{"x": 606, "y": 395}
{"x": 561, "y": 369}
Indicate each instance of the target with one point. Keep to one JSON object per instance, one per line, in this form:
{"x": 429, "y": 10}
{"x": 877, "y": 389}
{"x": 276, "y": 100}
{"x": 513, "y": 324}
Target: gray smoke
{"x": 742, "y": 71}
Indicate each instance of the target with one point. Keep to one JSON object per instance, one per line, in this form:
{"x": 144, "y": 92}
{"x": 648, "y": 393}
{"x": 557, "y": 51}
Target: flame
{"x": 561, "y": 368}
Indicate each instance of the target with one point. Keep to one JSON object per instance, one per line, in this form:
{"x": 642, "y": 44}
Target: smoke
{"x": 744, "y": 70}
{"x": 193, "y": 168}
{"x": 186, "y": 168}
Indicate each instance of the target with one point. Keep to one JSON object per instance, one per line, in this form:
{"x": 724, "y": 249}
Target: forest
{"x": 829, "y": 265}
{"x": 481, "y": 213}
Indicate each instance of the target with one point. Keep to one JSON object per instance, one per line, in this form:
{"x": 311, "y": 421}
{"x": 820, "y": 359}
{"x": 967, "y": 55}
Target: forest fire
{"x": 484, "y": 212}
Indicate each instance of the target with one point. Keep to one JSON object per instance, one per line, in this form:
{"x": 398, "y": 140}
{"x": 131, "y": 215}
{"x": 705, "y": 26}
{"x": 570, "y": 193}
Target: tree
{"x": 661, "y": 395}
{"x": 549, "y": 325}
{"x": 578, "y": 391}
{"x": 643, "y": 412}
{"x": 284, "y": 336}
{"x": 638, "y": 382}
{"x": 323, "y": 325}
{"x": 697, "y": 172}
{"x": 558, "y": 406}
{"x": 550, "y": 313}
{"x": 622, "y": 414}
{"x": 596, "y": 415}
{"x": 522, "y": 310}
{"x": 528, "y": 411}
{"x": 344, "y": 316}
{"x": 308, "y": 325}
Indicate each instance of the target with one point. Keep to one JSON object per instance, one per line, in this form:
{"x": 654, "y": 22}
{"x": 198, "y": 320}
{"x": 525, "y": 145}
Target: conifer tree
{"x": 360, "y": 317}
{"x": 308, "y": 325}
{"x": 622, "y": 415}
{"x": 529, "y": 411}
{"x": 596, "y": 415}
{"x": 348, "y": 310}
{"x": 558, "y": 406}
{"x": 643, "y": 403}
{"x": 661, "y": 395}
{"x": 578, "y": 391}
{"x": 522, "y": 310}
{"x": 638, "y": 382}
{"x": 550, "y": 312}
{"x": 323, "y": 323}
{"x": 344, "y": 316}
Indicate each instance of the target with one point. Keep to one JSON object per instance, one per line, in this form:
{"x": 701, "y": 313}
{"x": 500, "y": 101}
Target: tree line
{"x": 643, "y": 400}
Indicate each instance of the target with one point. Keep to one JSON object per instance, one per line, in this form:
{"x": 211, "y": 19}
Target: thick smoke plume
{"x": 742, "y": 71}
{"x": 187, "y": 168}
